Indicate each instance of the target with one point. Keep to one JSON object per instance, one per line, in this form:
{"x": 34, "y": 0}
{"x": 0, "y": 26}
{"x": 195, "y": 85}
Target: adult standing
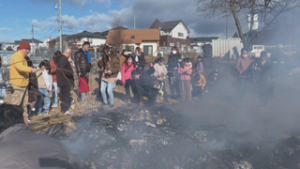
{"x": 112, "y": 64}
{"x": 172, "y": 66}
{"x": 242, "y": 65}
{"x": 103, "y": 58}
{"x": 65, "y": 79}
{"x": 55, "y": 88}
{"x": 19, "y": 75}
{"x": 140, "y": 58}
{"x": 83, "y": 62}
{"x": 122, "y": 58}
{"x": 127, "y": 68}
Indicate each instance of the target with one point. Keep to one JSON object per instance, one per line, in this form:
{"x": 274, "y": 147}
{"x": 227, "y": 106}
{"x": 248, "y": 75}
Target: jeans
{"x": 55, "y": 94}
{"x": 109, "y": 87}
{"x": 45, "y": 96}
{"x": 242, "y": 87}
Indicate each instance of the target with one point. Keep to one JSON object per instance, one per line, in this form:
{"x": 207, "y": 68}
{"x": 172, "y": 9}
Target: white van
{"x": 256, "y": 50}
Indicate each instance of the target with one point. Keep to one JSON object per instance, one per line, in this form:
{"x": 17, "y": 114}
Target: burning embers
{"x": 156, "y": 138}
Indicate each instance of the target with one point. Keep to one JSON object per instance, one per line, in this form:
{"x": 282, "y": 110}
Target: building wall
{"x": 223, "y": 46}
{"x": 98, "y": 41}
{"x": 154, "y": 44}
{"x": 169, "y": 41}
{"x": 180, "y": 28}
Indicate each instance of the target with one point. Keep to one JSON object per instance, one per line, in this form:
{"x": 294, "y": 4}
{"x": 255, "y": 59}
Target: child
{"x": 127, "y": 67}
{"x": 43, "y": 87}
{"x": 199, "y": 65}
{"x": 185, "y": 72}
{"x": 199, "y": 84}
{"x": 3, "y": 83}
{"x": 83, "y": 88}
{"x": 160, "y": 74}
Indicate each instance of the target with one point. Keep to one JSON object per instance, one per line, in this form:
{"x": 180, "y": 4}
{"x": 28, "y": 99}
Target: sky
{"x": 18, "y": 17}
{"x": 97, "y": 16}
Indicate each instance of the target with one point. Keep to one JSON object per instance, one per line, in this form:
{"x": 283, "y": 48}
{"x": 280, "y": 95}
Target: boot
{"x": 29, "y": 112}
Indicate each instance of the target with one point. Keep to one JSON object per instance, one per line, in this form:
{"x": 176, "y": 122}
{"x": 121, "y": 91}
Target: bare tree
{"x": 117, "y": 22}
{"x": 117, "y": 38}
{"x": 269, "y": 10}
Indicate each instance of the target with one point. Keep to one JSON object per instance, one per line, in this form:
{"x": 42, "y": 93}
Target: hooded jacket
{"x": 20, "y": 147}
{"x": 64, "y": 72}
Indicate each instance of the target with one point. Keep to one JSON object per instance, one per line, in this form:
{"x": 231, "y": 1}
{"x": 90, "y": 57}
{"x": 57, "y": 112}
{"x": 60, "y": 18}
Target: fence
{"x": 226, "y": 47}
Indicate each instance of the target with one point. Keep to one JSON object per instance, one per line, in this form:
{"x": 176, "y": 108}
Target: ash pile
{"x": 161, "y": 138}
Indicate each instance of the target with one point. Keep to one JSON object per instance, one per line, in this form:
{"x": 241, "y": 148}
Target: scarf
{"x": 88, "y": 55}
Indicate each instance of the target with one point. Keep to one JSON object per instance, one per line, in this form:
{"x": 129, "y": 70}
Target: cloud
{"x": 5, "y": 30}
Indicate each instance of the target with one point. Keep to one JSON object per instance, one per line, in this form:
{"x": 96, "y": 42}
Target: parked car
{"x": 256, "y": 50}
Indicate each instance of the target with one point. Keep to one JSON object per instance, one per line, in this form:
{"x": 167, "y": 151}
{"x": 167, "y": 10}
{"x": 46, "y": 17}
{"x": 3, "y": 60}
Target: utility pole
{"x": 134, "y": 21}
{"x": 32, "y": 40}
{"x": 60, "y": 30}
{"x": 227, "y": 25}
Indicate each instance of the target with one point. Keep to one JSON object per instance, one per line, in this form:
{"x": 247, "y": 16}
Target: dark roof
{"x": 87, "y": 34}
{"x": 17, "y": 42}
{"x": 203, "y": 39}
{"x": 116, "y": 28}
{"x": 166, "y": 25}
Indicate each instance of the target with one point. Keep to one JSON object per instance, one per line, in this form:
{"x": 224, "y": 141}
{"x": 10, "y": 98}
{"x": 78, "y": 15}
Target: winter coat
{"x": 122, "y": 60}
{"x": 81, "y": 62}
{"x": 158, "y": 71}
{"x": 141, "y": 58}
{"x": 19, "y": 70}
{"x": 20, "y": 147}
{"x": 145, "y": 81}
{"x": 173, "y": 61}
{"x": 185, "y": 73}
{"x": 126, "y": 71}
{"x": 40, "y": 79}
{"x": 64, "y": 72}
{"x": 200, "y": 81}
{"x": 53, "y": 70}
{"x": 114, "y": 63}
{"x": 242, "y": 65}
{"x": 33, "y": 91}
{"x": 199, "y": 67}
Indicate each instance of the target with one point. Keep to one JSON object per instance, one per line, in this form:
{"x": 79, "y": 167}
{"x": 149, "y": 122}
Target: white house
{"x": 96, "y": 39}
{"x": 173, "y": 33}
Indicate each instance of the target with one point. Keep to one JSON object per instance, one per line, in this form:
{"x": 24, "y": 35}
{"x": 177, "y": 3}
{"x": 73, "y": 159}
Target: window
{"x": 130, "y": 48}
{"x": 178, "y": 44}
{"x": 132, "y": 37}
{"x": 171, "y": 44}
{"x": 180, "y": 34}
{"x": 148, "y": 50}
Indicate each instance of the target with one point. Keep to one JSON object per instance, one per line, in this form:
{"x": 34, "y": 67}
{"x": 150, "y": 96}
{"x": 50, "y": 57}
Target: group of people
{"x": 65, "y": 76}
{"x": 151, "y": 82}
{"x": 264, "y": 72}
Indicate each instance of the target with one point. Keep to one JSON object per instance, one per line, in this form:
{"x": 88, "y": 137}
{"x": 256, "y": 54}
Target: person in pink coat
{"x": 185, "y": 72}
{"x": 127, "y": 67}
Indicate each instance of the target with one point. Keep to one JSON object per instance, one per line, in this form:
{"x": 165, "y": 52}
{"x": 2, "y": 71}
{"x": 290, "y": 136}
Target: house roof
{"x": 17, "y": 42}
{"x": 133, "y": 35}
{"x": 116, "y": 28}
{"x": 203, "y": 39}
{"x": 166, "y": 25}
{"x": 87, "y": 34}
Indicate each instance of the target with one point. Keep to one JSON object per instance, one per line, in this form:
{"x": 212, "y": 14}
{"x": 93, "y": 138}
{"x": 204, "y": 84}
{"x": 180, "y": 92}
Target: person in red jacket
{"x": 55, "y": 88}
{"x": 127, "y": 67}
{"x": 185, "y": 72}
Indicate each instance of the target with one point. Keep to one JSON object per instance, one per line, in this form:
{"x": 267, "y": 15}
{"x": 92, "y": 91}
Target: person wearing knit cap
{"x": 19, "y": 77}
